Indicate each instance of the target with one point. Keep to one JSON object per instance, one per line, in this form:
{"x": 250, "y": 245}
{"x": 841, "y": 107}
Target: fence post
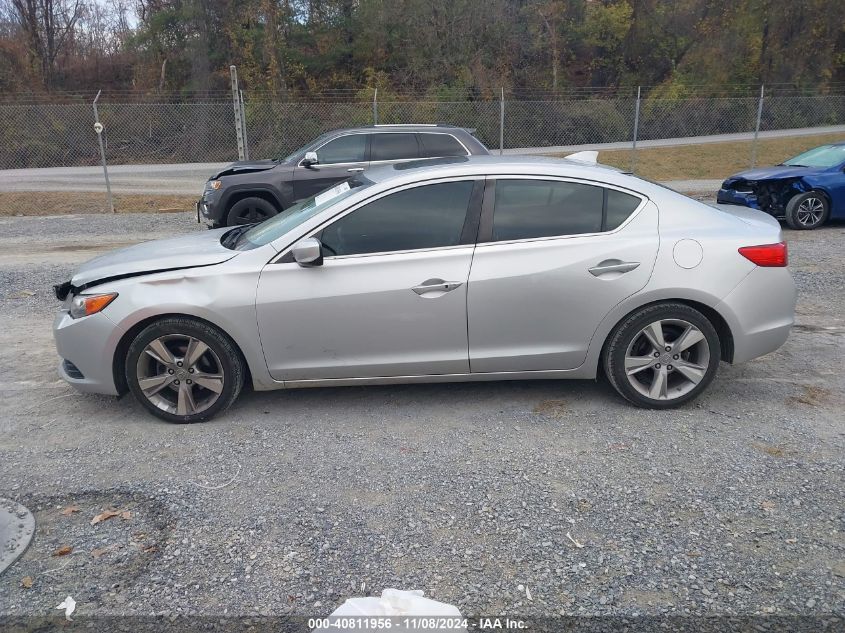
{"x": 243, "y": 124}
{"x": 502, "y": 122}
{"x": 375, "y": 106}
{"x": 636, "y": 132}
{"x": 757, "y": 128}
{"x": 236, "y": 104}
{"x": 98, "y": 128}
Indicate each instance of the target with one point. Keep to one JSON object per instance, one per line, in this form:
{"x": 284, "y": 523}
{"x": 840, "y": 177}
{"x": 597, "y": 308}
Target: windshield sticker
{"x": 334, "y": 192}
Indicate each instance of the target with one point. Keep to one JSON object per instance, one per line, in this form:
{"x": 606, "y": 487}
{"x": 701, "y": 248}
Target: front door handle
{"x": 613, "y": 266}
{"x": 355, "y": 169}
{"x": 436, "y": 285}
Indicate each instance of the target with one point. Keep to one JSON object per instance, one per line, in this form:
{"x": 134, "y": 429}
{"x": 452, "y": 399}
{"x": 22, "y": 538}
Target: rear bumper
{"x": 760, "y": 312}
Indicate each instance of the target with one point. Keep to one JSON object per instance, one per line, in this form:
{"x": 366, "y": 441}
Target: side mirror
{"x": 310, "y": 159}
{"x": 308, "y": 252}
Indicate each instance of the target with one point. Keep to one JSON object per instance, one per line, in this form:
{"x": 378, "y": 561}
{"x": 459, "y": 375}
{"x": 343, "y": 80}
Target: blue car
{"x": 806, "y": 191}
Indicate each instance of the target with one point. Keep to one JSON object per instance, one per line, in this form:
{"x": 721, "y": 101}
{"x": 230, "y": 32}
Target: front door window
{"x": 424, "y": 217}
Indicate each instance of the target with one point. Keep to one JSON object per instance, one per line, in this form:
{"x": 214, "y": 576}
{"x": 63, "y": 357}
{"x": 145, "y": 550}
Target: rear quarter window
{"x": 437, "y": 145}
{"x": 620, "y": 206}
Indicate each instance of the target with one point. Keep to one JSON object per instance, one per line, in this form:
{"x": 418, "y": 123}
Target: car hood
{"x": 770, "y": 173}
{"x": 187, "y": 251}
{"x": 245, "y": 167}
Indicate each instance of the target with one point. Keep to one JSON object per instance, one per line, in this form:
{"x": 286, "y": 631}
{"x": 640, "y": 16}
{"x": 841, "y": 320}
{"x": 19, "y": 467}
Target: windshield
{"x": 824, "y": 156}
{"x": 275, "y": 227}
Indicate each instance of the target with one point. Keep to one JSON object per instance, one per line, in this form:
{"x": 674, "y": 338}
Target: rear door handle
{"x": 613, "y": 266}
{"x": 355, "y": 169}
{"x": 436, "y": 285}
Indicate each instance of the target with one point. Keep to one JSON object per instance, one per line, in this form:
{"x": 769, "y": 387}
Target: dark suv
{"x": 250, "y": 191}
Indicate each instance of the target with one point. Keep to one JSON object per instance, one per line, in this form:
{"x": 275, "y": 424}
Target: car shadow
{"x": 504, "y": 394}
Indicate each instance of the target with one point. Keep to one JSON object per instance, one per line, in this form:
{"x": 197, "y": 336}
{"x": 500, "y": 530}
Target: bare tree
{"x": 550, "y": 14}
{"x": 47, "y": 25}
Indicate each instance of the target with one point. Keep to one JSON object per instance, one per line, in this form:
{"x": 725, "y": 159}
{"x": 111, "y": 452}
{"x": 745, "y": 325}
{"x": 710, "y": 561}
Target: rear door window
{"x": 394, "y": 146}
{"x": 527, "y": 209}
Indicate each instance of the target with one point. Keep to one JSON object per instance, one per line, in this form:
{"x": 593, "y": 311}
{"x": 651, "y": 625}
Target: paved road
{"x": 686, "y": 140}
{"x": 188, "y": 178}
{"x": 185, "y": 178}
{"x": 694, "y": 186}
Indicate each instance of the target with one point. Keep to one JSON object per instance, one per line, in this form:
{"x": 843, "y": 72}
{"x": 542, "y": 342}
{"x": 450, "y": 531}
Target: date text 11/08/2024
{"x": 418, "y": 623}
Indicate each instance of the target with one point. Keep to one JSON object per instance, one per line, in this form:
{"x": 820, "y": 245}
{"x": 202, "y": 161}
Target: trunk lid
{"x": 751, "y": 217}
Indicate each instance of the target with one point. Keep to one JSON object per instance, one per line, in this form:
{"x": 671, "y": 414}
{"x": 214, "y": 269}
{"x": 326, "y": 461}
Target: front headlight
{"x": 86, "y": 305}
{"x": 213, "y": 185}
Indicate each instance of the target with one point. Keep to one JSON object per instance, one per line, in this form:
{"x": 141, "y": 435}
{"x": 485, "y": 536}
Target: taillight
{"x": 768, "y": 255}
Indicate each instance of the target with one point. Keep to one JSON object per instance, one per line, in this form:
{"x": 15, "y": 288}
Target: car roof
{"x": 428, "y": 168}
{"x": 432, "y": 128}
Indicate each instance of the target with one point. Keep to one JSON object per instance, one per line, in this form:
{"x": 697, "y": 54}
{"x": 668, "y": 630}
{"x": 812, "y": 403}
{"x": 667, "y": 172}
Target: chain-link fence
{"x": 54, "y": 135}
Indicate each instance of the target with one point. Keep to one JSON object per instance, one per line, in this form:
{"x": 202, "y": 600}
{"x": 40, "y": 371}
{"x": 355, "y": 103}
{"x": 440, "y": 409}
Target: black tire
{"x": 629, "y": 333}
{"x": 249, "y": 211}
{"x": 807, "y": 211}
{"x": 223, "y": 353}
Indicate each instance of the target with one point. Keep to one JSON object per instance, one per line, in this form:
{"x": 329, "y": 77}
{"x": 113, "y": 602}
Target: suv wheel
{"x": 807, "y": 211}
{"x": 250, "y": 211}
{"x": 184, "y": 370}
{"x": 662, "y": 355}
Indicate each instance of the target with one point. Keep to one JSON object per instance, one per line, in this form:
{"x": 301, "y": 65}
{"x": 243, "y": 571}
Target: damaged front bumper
{"x": 63, "y": 290}
{"x": 732, "y": 196}
{"x": 205, "y": 213}
{"x": 769, "y": 195}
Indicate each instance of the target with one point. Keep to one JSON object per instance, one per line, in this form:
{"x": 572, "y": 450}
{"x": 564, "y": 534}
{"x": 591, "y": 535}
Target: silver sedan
{"x": 484, "y": 268}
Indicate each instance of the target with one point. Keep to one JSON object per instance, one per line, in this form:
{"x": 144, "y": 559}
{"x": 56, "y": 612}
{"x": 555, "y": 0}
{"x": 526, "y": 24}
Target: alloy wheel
{"x": 810, "y": 211}
{"x": 667, "y": 359}
{"x": 180, "y": 374}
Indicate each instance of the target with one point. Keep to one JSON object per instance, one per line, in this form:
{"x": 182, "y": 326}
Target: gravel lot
{"x": 521, "y": 498}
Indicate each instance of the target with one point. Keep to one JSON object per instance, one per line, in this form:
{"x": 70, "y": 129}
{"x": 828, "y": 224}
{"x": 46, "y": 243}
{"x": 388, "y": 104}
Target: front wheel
{"x": 250, "y": 211}
{"x": 184, "y": 370}
{"x": 662, "y": 355}
{"x": 807, "y": 211}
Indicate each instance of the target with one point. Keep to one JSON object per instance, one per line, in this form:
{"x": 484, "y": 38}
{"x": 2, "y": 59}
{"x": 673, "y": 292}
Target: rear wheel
{"x": 807, "y": 211}
{"x": 249, "y": 211}
{"x": 184, "y": 370}
{"x": 662, "y": 355}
